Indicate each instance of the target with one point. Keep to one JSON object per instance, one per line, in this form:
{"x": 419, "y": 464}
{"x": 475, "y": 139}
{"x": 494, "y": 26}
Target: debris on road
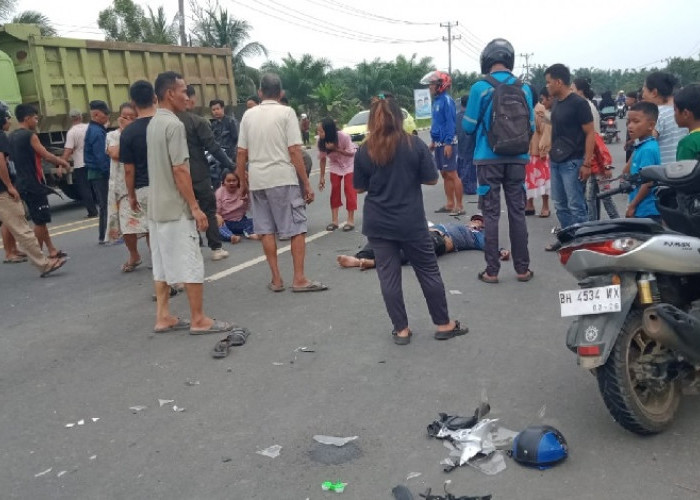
{"x": 455, "y": 292}
{"x": 412, "y": 475}
{"x": 272, "y": 451}
{"x": 163, "y": 402}
{"x": 335, "y": 441}
{"x": 72, "y": 424}
{"x": 136, "y": 409}
{"x": 226, "y": 459}
{"x": 178, "y": 409}
{"x": 191, "y": 382}
{"x": 331, "y": 486}
{"x": 540, "y": 446}
{"x": 449, "y": 496}
{"x": 44, "y": 472}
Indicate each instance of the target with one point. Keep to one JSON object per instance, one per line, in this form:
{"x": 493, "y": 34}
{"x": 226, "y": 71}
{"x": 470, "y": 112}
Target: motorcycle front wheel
{"x": 636, "y": 404}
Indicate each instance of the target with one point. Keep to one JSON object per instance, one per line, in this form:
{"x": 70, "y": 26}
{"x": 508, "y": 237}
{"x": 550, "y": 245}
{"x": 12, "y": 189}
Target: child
{"x": 231, "y": 210}
{"x": 641, "y": 121}
{"x": 687, "y": 115}
{"x": 601, "y": 171}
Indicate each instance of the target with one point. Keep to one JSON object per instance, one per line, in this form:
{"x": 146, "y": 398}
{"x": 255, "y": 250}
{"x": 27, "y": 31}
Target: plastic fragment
{"x": 136, "y": 409}
{"x": 335, "y": 441}
{"x": 70, "y": 425}
{"x": 542, "y": 411}
{"x": 44, "y": 472}
{"x": 61, "y": 473}
{"x": 455, "y": 292}
{"x": 191, "y": 382}
{"x": 178, "y": 409}
{"x": 447, "y": 461}
{"x": 81, "y": 422}
{"x": 226, "y": 459}
{"x": 331, "y": 486}
{"x": 95, "y": 419}
{"x": 412, "y": 475}
{"x": 93, "y": 457}
{"x": 276, "y": 363}
{"x": 304, "y": 349}
{"x": 163, "y": 402}
{"x": 272, "y": 452}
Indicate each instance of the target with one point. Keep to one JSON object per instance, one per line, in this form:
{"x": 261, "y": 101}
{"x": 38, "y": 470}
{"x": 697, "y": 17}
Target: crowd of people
{"x": 150, "y": 179}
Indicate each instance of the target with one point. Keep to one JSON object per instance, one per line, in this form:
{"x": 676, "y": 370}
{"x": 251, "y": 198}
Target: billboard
{"x": 422, "y": 101}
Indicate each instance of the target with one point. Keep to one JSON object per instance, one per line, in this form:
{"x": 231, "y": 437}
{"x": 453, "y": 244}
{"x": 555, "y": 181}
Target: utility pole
{"x": 181, "y": 10}
{"x": 449, "y": 39}
{"x": 527, "y": 64}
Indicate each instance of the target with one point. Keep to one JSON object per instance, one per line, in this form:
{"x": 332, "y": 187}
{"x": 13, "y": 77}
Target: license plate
{"x": 598, "y": 300}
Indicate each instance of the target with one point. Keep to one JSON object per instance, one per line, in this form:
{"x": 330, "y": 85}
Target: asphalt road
{"x": 78, "y": 346}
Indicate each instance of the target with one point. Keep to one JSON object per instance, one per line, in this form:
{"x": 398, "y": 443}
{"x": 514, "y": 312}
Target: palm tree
{"x": 156, "y": 28}
{"x": 299, "y": 77}
{"x": 34, "y": 17}
{"x": 372, "y": 77}
{"x": 7, "y": 7}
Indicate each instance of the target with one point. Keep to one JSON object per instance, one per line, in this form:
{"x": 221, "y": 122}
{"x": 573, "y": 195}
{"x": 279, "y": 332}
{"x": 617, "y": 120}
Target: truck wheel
{"x": 635, "y": 404}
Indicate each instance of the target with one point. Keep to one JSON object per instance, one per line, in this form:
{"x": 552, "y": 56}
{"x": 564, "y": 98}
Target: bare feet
{"x": 253, "y": 236}
{"x": 235, "y": 239}
{"x": 348, "y": 261}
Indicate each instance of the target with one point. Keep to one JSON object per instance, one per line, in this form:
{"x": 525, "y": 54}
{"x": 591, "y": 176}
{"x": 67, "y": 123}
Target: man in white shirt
{"x": 269, "y": 141}
{"x": 75, "y": 144}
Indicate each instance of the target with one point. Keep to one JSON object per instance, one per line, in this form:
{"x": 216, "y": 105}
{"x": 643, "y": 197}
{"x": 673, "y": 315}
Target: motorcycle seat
{"x": 619, "y": 226}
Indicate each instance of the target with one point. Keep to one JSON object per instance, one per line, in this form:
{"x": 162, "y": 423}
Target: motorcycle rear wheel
{"x": 633, "y": 404}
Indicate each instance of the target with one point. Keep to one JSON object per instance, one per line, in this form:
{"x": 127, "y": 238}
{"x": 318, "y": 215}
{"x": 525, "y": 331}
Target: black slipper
{"x": 455, "y": 332}
{"x": 527, "y": 276}
{"x": 238, "y": 336}
{"x": 221, "y": 349}
{"x": 529, "y": 212}
{"x": 401, "y": 340}
{"x": 486, "y": 278}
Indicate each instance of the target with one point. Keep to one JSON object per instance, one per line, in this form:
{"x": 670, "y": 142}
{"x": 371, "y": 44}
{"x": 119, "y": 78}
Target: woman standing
{"x": 658, "y": 88}
{"x": 337, "y": 148}
{"x": 391, "y": 167}
{"x": 537, "y": 171}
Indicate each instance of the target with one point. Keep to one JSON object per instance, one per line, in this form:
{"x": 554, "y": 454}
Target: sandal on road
{"x": 486, "y": 278}
{"x": 444, "y": 210}
{"x": 221, "y": 349}
{"x": 54, "y": 264}
{"x": 130, "y": 268}
{"x": 180, "y": 324}
{"x": 348, "y": 227}
{"x": 15, "y": 260}
{"x": 399, "y": 340}
{"x": 455, "y": 332}
{"x": 526, "y": 276}
{"x": 238, "y": 336}
{"x": 59, "y": 255}
{"x": 313, "y": 286}
{"x": 332, "y": 226}
{"x": 216, "y": 327}
{"x": 276, "y": 288}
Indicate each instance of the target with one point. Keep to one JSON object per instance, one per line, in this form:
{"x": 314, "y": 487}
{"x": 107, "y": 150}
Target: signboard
{"x": 422, "y": 100}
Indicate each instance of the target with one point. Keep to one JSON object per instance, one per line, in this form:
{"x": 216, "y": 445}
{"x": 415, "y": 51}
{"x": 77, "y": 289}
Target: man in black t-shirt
{"x": 26, "y": 152}
{"x": 573, "y": 140}
{"x": 12, "y": 211}
{"x": 225, "y": 128}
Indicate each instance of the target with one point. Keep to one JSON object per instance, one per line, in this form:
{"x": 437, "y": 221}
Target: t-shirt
{"x": 339, "y": 164}
{"x": 24, "y": 159}
{"x": 568, "y": 116}
{"x": 463, "y": 237}
{"x": 5, "y": 150}
{"x": 231, "y": 206}
{"x": 669, "y": 134}
{"x": 167, "y": 146}
{"x": 75, "y": 140}
{"x": 646, "y": 153}
{"x": 689, "y": 146}
{"x": 133, "y": 149}
{"x": 267, "y": 132}
{"x": 393, "y": 208}
{"x": 200, "y": 138}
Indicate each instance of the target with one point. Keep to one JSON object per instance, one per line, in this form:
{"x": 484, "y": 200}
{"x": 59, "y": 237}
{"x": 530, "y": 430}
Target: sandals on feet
{"x": 54, "y": 264}
{"x": 180, "y": 324}
{"x": 237, "y": 338}
{"x": 444, "y": 210}
{"x": 526, "y": 276}
{"x": 455, "y": 332}
{"x": 401, "y": 340}
{"x": 15, "y": 260}
{"x": 331, "y": 227}
{"x": 216, "y": 327}
{"x": 486, "y": 278}
{"x": 348, "y": 227}
{"x": 130, "y": 268}
{"x": 276, "y": 288}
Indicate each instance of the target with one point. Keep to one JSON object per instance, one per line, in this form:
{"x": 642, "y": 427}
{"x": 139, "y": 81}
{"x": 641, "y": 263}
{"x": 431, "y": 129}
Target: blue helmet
{"x": 540, "y": 446}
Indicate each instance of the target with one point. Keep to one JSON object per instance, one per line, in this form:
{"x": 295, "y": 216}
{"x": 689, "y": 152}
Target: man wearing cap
{"x": 75, "y": 146}
{"x": 97, "y": 161}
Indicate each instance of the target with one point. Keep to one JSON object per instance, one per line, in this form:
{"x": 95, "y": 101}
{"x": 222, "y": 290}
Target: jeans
{"x": 207, "y": 202}
{"x": 84, "y": 190}
{"x": 568, "y": 192}
{"x": 231, "y": 227}
{"x": 101, "y": 189}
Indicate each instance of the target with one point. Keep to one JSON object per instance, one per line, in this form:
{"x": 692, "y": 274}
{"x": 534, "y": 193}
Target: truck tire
{"x": 636, "y": 407}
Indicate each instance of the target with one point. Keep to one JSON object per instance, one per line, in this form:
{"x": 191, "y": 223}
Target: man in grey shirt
{"x": 173, "y": 213}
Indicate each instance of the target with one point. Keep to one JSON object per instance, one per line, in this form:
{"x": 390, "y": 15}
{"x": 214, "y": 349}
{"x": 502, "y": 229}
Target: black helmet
{"x": 498, "y": 50}
{"x": 540, "y": 446}
{"x": 5, "y": 113}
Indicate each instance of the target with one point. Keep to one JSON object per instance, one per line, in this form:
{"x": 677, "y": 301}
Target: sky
{"x": 600, "y": 34}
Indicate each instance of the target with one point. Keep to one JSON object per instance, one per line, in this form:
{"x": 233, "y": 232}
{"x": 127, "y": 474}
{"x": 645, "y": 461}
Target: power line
{"x": 369, "y": 15}
{"x": 449, "y": 40}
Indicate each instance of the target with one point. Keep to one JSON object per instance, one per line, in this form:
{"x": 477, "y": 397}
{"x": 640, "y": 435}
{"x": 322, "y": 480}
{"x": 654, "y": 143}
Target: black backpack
{"x": 510, "y": 130}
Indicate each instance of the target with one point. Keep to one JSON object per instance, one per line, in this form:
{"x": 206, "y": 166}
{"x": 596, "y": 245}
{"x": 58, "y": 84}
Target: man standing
{"x": 12, "y": 211}
{"x": 200, "y": 138}
{"x": 573, "y": 140}
{"x": 498, "y": 165}
{"x": 305, "y": 125}
{"x": 75, "y": 146}
{"x": 171, "y": 209}
{"x": 270, "y": 142}
{"x": 224, "y": 127}
{"x": 25, "y": 147}
{"x": 443, "y": 133}
{"x": 465, "y": 151}
{"x": 97, "y": 161}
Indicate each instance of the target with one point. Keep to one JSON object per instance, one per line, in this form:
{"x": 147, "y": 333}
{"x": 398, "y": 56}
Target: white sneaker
{"x": 219, "y": 254}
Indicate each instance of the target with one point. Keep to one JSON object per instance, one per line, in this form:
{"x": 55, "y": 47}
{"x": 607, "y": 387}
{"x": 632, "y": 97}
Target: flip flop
{"x": 276, "y": 288}
{"x": 15, "y": 260}
{"x": 216, "y": 327}
{"x": 455, "y": 332}
{"x": 401, "y": 340}
{"x": 331, "y": 227}
{"x": 180, "y": 324}
{"x": 544, "y": 216}
{"x": 313, "y": 286}
{"x": 529, "y": 212}
{"x": 348, "y": 227}
{"x": 527, "y": 276}
{"x": 58, "y": 263}
{"x": 130, "y": 268}
{"x": 59, "y": 254}
{"x": 458, "y": 212}
{"x": 486, "y": 278}
{"x": 238, "y": 336}
{"x": 444, "y": 210}
{"x": 221, "y": 349}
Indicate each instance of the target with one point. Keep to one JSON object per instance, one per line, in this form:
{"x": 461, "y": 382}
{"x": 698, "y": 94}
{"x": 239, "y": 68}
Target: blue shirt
{"x": 443, "y": 126}
{"x": 646, "y": 153}
{"x": 95, "y": 152}
{"x": 463, "y": 237}
{"x": 477, "y": 119}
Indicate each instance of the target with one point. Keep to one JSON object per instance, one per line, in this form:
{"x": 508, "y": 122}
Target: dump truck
{"x": 56, "y": 75}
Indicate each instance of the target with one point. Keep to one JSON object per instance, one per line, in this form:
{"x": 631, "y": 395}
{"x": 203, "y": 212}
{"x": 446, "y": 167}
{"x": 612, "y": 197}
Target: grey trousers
{"x": 511, "y": 176}
{"x": 421, "y": 255}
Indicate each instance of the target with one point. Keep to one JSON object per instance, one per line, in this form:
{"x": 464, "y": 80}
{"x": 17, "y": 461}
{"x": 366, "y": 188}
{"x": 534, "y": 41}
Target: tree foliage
{"x": 126, "y": 21}
{"x": 34, "y": 17}
{"x": 7, "y": 7}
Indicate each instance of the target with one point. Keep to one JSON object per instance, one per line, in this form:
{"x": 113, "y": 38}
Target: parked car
{"x": 356, "y": 128}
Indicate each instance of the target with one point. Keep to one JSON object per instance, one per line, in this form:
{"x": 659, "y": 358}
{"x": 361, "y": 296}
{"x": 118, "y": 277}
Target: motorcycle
{"x": 637, "y": 309}
{"x": 608, "y": 125}
{"x": 621, "y": 109}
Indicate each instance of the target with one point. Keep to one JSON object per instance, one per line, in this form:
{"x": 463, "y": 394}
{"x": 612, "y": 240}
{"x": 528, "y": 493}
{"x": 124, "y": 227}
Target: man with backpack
{"x": 500, "y": 113}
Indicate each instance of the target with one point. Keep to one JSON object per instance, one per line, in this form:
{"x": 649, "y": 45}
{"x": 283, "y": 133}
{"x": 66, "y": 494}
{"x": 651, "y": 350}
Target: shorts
{"x": 132, "y": 222}
{"x": 175, "y": 252}
{"x": 280, "y": 210}
{"x": 442, "y": 162}
{"x": 37, "y": 207}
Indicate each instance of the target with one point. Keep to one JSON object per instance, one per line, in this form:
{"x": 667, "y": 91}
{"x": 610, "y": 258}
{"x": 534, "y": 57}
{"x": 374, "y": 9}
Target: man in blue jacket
{"x": 97, "y": 160}
{"x": 495, "y": 171}
{"x": 443, "y": 133}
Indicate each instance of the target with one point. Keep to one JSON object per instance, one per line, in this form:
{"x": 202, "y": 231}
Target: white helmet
{"x": 303, "y": 115}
